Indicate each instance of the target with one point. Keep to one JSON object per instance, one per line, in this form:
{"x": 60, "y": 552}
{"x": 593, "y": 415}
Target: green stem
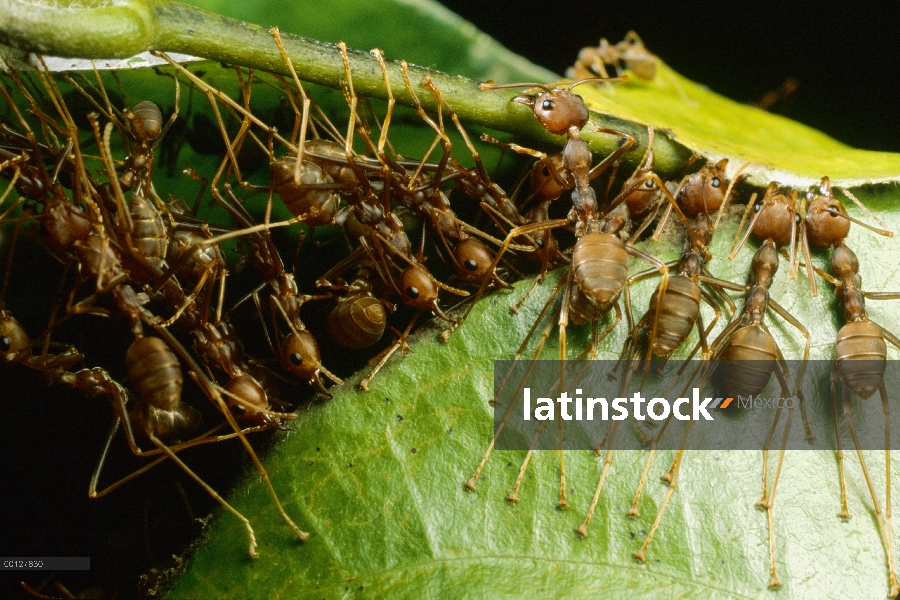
{"x": 133, "y": 26}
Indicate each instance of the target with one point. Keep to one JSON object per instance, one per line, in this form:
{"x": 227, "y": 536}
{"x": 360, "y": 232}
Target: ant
{"x": 599, "y": 265}
{"x": 860, "y": 349}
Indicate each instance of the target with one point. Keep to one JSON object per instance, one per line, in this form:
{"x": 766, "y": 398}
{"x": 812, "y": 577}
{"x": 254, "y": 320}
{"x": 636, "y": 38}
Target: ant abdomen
{"x": 600, "y": 262}
{"x": 317, "y": 206}
{"x": 358, "y": 321}
{"x": 677, "y": 314}
{"x": 154, "y": 372}
{"x": 860, "y": 352}
{"x": 749, "y": 360}
{"x": 64, "y": 223}
{"x": 149, "y": 231}
{"x": 148, "y": 121}
{"x": 337, "y": 168}
{"x": 202, "y": 257}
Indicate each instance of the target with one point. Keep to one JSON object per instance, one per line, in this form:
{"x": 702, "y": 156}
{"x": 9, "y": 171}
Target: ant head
{"x": 776, "y": 216}
{"x": 301, "y": 358}
{"x": 546, "y": 184}
{"x": 826, "y": 220}
{"x": 557, "y": 109}
{"x": 473, "y": 260}
{"x": 418, "y": 289}
{"x": 14, "y": 342}
{"x": 253, "y": 404}
{"x": 704, "y": 191}
{"x": 645, "y": 197}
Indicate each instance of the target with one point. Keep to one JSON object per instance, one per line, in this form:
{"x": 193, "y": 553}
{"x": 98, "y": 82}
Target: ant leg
{"x": 763, "y": 501}
{"x": 470, "y": 484}
{"x": 304, "y": 118}
{"x": 174, "y": 457}
{"x": 844, "y": 515}
{"x": 563, "y": 322}
{"x": 739, "y": 241}
{"x": 545, "y": 334}
{"x": 888, "y": 527}
{"x": 886, "y": 534}
{"x": 98, "y": 469}
{"x": 582, "y": 529}
{"x": 673, "y": 481}
{"x": 634, "y": 511}
{"x": 804, "y": 247}
{"x": 386, "y": 122}
{"x": 774, "y": 583}
{"x": 400, "y": 343}
{"x": 661, "y": 225}
{"x": 437, "y": 127}
{"x": 513, "y": 495}
{"x": 603, "y": 165}
{"x": 801, "y": 371}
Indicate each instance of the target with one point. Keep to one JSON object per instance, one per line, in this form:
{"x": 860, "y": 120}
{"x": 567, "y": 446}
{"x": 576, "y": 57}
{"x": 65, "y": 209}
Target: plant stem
{"x": 133, "y": 26}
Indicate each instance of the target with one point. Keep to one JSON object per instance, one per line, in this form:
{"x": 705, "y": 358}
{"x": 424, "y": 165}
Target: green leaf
{"x": 377, "y": 477}
{"x": 715, "y": 127}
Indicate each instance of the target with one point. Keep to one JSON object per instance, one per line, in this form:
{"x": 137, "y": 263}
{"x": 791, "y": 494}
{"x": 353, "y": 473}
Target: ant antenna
{"x": 490, "y": 85}
{"x": 618, "y": 79}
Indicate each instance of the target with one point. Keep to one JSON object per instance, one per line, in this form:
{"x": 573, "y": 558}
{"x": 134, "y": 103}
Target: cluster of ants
{"x": 156, "y": 264}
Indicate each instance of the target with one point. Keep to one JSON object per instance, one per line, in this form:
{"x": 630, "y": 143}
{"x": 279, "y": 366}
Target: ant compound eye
{"x": 539, "y": 243}
{"x": 471, "y": 265}
{"x": 296, "y": 359}
{"x": 547, "y": 105}
{"x": 412, "y": 292}
{"x": 545, "y": 171}
{"x": 5, "y": 344}
{"x": 757, "y": 207}
{"x": 796, "y": 218}
{"x": 239, "y": 410}
{"x": 715, "y": 182}
{"x": 649, "y": 184}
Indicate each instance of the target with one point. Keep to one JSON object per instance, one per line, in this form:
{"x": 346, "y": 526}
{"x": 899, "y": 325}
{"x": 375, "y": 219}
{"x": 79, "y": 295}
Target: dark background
{"x": 845, "y": 55}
